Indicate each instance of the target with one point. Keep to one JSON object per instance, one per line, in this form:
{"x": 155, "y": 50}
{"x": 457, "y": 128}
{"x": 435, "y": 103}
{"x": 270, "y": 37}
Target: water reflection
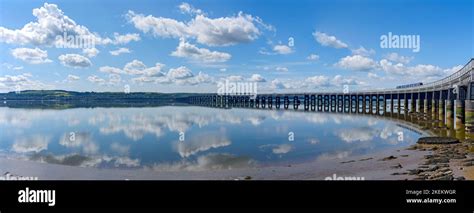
{"x": 214, "y": 139}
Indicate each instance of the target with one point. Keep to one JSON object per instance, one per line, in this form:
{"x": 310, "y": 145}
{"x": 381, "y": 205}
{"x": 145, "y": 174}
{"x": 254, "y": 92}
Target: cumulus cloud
{"x": 313, "y": 57}
{"x": 222, "y": 31}
{"x": 420, "y": 70}
{"x": 126, "y": 38}
{"x": 21, "y": 82}
{"x": 398, "y": 58}
{"x": 328, "y": 40}
{"x": 187, "y": 50}
{"x": 257, "y": 78}
{"x": 50, "y": 23}
{"x": 278, "y": 84}
{"x": 71, "y": 78}
{"x": 318, "y": 80}
{"x": 119, "y": 51}
{"x": 179, "y": 73}
{"x": 137, "y": 67}
{"x": 362, "y": 51}
{"x": 90, "y": 52}
{"x": 32, "y": 56}
{"x": 74, "y": 61}
{"x": 96, "y": 79}
{"x": 186, "y": 8}
{"x": 282, "y": 49}
{"x": 357, "y": 63}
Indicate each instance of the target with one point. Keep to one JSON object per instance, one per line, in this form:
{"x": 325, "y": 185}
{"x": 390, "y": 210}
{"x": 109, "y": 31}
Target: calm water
{"x": 124, "y": 138}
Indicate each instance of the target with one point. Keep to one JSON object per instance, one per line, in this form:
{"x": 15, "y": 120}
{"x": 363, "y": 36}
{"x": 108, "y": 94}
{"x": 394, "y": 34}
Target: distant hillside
{"x": 71, "y": 99}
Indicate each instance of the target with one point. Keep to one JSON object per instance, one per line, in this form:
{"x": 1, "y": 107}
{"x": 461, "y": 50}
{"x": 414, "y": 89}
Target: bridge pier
{"x": 277, "y": 102}
{"x": 306, "y": 102}
{"x": 469, "y": 110}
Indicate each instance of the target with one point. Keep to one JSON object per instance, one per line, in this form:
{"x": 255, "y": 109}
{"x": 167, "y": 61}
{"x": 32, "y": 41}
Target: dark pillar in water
{"x": 405, "y": 103}
{"x": 286, "y": 102}
{"x": 296, "y": 102}
{"x": 313, "y": 103}
{"x": 377, "y": 104}
{"x": 399, "y": 103}
{"x": 364, "y": 103}
{"x": 392, "y": 103}
{"x": 270, "y": 102}
{"x": 333, "y": 103}
{"x": 306, "y": 102}
{"x": 277, "y": 102}
{"x": 459, "y": 110}
{"x": 412, "y": 103}
{"x": 450, "y": 109}
{"x": 357, "y": 103}
{"x": 426, "y": 102}
{"x": 419, "y": 103}
{"x": 469, "y": 110}
{"x": 371, "y": 100}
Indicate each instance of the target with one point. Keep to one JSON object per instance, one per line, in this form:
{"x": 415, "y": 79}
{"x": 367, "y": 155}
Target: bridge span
{"x": 450, "y": 100}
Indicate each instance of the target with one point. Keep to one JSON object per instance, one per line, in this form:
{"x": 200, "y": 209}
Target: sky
{"x": 191, "y": 46}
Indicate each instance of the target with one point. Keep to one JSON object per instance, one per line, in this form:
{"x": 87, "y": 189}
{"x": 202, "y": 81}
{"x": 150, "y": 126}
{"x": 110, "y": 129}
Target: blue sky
{"x": 190, "y": 46}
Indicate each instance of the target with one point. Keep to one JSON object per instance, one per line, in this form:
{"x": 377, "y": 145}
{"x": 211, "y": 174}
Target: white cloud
{"x": 90, "y": 52}
{"x": 96, "y": 79}
{"x": 420, "y": 70}
{"x": 363, "y": 52}
{"x": 186, "y": 8}
{"x": 71, "y": 78}
{"x": 327, "y": 40}
{"x": 21, "y": 82}
{"x": 257, "y": 78}
{"x": 74, "y": 61}
{"x": 222, "y": 31}
{"x": 113, "y": 79}
{"x": 125, "y": 39}
{"x": 278, "y": 84}
{"x": 282, "y": 49}
{"x": 50, "y": 23}
{"x": 357, "y": 62}
{"x": 32, "y": 56}
{"x": 187, "y": 50}
{"x": 119, "y": 51}
{"x": 318, "y": 81}
{"x": 281, "y": 69}
{"x": 180, "y": 73}
{"x": 452, "y": 70}
{"x": 398, "y": 58}
{"x": 234, "y": 78}
{"x": 313, "y": 57}
{"x": 325, "y": 81}
{"x": 108, "y": 69}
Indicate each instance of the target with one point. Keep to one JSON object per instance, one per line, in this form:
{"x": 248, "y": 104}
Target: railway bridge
{"x": 450, "y": 100}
